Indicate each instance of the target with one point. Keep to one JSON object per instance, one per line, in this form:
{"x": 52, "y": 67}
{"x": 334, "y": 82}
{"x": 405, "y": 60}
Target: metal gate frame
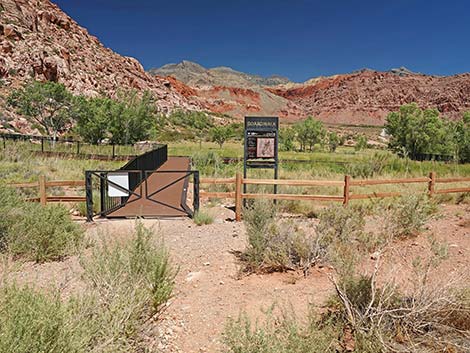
{"x": 106, "y": 208}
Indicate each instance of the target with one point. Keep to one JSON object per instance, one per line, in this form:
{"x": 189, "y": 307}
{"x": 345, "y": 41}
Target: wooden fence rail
{"x": 42, "y": 184}
{"x": 238, "y": 195}
{"x": 345, "y": 184}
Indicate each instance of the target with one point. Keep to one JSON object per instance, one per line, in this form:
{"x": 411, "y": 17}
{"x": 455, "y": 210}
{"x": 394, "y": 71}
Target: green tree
{"x": 92, "y": 117}
{"x": 461, "y": 130}
{"x": 220, "y": 134}
{"x": 415, "y": 131}
{"x": 361, "y": 143}
{"x": 309, "y": 132}
{"x": 287, "y": 138}
{"x": 45, "y": 104}
{"x": 333, "y": 141}
{"x": 132, "y": 118}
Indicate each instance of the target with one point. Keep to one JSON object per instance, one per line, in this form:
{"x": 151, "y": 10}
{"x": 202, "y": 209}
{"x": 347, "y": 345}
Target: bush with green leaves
{"x": 207, "y": 163}
{"x": 34, "y": 322}
{"x": 35, "y": 232}
{"x": 125, "y": 285}
{"x": 141, "y": 266}
{"x": 274, "y": 246}
{"x": 405, "y": 216}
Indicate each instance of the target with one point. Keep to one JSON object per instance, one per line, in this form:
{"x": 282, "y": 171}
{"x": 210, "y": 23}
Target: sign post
{"x": 261, "y": 145}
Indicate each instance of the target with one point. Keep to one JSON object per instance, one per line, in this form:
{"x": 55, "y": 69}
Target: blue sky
{"x": 299, "y": 39}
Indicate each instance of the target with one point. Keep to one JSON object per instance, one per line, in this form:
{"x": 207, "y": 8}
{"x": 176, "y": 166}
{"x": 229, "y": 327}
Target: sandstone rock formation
{"x": 362, "y": 97}
{"x": 366, "y": 97}
{"x": 39, "y": 41}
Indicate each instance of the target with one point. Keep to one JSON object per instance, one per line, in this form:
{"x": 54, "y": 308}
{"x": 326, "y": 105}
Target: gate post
{"x": 89, "y": 196}
{"x": 196, "y": 191}
{"x": 238, "y": 197}
{"x": 346, "y": 194}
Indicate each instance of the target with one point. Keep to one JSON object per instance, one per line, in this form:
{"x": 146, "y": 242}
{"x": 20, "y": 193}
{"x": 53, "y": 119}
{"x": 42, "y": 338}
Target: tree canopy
{"x": 414, "y": 131}
{"x": 46, "y": 105}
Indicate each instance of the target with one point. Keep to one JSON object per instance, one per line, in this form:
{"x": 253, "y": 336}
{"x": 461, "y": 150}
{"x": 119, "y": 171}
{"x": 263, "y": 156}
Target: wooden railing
{"x": 238, "y": 195}
{"x": 345, "y": 184}
{"x": 42, "y": 186}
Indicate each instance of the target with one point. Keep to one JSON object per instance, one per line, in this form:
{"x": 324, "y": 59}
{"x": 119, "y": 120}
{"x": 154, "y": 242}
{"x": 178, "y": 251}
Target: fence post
{"x": 347, "y": 180}
{"x": 42, "y": 190}
{"x": 238, "y": 197}
{"x": 196, "y": 191}
{"x": 78, "y": 147}
{"x": 432, "y": 183}
{"x": 114, "y": 151}
{"x": 89, "y": 196}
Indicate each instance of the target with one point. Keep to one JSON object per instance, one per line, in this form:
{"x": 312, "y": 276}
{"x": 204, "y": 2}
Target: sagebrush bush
{"x": 125, "y": 284}
{"x": 35, "y": 232}
{"x": 35, "y": 322}
{"x": 140, "y": 265}
{"x": 278, "y": 335}
{"x": 339, "y": 227}
{"x": 405, "y": 216}
{"x": 207, "y": 162}
{"x": 274, "y": 246}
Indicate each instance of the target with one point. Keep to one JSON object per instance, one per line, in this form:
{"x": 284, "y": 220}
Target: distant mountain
{"x": 364, "y": 96}
{"x": 195, "y": 75}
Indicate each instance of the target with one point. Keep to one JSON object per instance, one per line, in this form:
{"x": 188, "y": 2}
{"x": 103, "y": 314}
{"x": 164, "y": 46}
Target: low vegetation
{"x": 125, "y": 285}
{"x": 34, "y": 232}
{"x": 274, "y": 246}
{"x": 203, "y": 217}
{"x": 365, "y": 314}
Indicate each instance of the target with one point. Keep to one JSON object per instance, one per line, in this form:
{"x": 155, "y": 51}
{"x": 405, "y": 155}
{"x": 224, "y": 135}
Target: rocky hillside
{"x": 38, "y": 40}
{"x": 366, "y": 97}
{"x": 196, "y": 75}
{"x": 362, "y": 97}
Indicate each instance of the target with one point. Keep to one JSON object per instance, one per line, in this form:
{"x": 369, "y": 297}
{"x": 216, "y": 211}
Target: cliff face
{"x": 363, "y": 97}
{"x": 38, "y": 40}
{"x": 366, "y": 97}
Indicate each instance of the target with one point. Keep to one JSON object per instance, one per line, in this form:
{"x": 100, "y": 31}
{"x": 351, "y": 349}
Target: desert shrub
{"x": 203, "y": 218}
{"x": 139, "y": 267}
{"x": 34, "y": 232}
{"x": 278, "y": 335}
{"x": 338, "y": 227}
{"x": 274, "y": 246}
{"x": 405, "y": 216}
{"x": 43, "y": 233}
{"x": 34, "y": 322}
{"x": 125, "y": 285}
{"x": 208, "y": 163}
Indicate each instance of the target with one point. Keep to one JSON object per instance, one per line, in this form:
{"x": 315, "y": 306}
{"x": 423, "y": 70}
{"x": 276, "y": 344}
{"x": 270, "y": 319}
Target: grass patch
{"x": 203, "y": 218}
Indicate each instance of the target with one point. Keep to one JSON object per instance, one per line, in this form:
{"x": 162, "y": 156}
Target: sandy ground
{"x": 209, "y": 288}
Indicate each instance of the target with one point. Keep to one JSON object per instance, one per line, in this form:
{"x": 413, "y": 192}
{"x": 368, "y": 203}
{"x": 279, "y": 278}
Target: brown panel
{"x": 165, "y": 203}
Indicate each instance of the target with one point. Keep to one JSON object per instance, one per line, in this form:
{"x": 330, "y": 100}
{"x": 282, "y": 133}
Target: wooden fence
{"x": 432, "y": 181}
{"x": 42, "y": 186}
{"x": 238, "y": 195}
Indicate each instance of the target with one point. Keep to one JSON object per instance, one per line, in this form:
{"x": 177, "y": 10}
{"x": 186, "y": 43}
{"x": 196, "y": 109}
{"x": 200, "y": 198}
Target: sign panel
{"x": 121, "y": 179}
{"x": 261, "y": 138}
